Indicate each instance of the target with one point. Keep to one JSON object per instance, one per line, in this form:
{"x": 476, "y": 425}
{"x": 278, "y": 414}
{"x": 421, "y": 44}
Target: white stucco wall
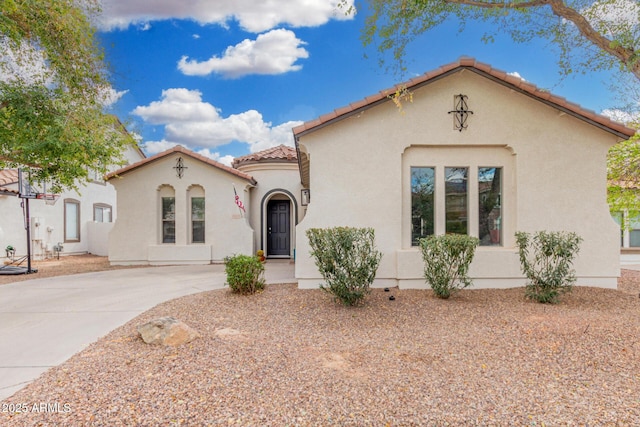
{"x": 51, "y": 219}
{"x": 136, "y": 237}
{"x": 554, "y": 165}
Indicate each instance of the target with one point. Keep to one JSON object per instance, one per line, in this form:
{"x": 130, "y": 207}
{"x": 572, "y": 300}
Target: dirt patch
{"x": 66, "y": 265}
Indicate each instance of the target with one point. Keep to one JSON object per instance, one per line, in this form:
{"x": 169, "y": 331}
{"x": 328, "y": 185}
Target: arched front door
{"x": 279, "y": 228}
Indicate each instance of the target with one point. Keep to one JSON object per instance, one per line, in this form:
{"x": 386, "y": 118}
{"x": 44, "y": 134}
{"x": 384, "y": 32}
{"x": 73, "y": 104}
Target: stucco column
{"x": 182, "y": 211}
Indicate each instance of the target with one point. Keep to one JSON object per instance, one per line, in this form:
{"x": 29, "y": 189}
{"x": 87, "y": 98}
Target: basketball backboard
{"x": 27, "y": 188}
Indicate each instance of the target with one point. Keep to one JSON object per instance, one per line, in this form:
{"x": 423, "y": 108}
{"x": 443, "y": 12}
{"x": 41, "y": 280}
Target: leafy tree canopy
{"x": 591, "y": 35}
{"x": 623, "y": 173}
{"x": 53, "y": 87}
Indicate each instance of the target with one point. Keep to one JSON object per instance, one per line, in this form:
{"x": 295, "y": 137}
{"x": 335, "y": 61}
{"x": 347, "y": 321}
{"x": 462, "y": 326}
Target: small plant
{"x": 245, "y": 274}
{"x": 446, "y": 262}
{"x": 347, "y": 259}
{"x": 546, "y": 259}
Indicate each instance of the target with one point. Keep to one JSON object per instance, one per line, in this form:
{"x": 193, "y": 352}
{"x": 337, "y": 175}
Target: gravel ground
{"x": 289, "y": 357}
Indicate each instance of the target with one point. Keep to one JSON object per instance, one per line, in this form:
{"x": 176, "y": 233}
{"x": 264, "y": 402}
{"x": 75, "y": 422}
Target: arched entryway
{"x": 279, "y": 218}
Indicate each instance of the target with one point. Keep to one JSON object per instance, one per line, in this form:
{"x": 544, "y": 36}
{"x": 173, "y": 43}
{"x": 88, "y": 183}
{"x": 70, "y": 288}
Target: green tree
{"x": 623, "y": 173}
{"x": 598, "y": 35}
{"x": 53, "y": 86}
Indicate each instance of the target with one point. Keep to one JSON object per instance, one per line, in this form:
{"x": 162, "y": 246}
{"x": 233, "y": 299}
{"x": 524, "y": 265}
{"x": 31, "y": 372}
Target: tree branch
{"x": 499, "y": 5}
{"x": 625, "y": 55}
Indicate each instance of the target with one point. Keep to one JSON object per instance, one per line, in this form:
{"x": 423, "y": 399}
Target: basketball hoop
{"x": 49, "y": 199}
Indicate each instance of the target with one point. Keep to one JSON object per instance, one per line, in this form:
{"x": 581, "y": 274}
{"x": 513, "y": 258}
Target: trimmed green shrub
{"x": 245, "y": 274}
{"x": 446, "y": 262}
{"x": 347, "y": 259}
{"x": 546, "y": 259}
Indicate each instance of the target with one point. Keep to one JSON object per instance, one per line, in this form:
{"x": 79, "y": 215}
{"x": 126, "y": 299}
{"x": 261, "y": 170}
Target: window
{"x": 422, "y": 203}
{"x": 459, "y": 190}
{"x": 618, "y": 217}
{"x": 71, "y": 220}
{"x": 629, "y": 228}
{"x": 168, "y": 220}
{"x": 456, "y": 205}
{"x": 634, "y": 232}
{"x": 489, "y": 206}
{"x": 197, "y": 219}
{"x": 101, "y": 213}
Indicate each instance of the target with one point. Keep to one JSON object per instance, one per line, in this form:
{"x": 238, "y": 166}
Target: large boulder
{"x": 167, "y": 331}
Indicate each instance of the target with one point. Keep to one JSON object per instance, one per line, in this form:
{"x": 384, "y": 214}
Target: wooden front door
{"x": 279, "y": 228}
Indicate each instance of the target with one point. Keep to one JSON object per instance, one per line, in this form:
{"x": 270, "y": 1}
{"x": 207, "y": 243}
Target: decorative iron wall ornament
{"x": 461, "y": 112}
{"x": 180, "y": 167}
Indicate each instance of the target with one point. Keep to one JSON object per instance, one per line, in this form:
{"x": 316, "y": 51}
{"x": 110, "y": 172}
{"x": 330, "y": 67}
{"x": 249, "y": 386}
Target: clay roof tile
{"x": 480, "y": 68}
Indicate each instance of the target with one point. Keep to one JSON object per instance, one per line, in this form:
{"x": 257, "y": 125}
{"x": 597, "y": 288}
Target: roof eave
{"x": 485, "y": 70}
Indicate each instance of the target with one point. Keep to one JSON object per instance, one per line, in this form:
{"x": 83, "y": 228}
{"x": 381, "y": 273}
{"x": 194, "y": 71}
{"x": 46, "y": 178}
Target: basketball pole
{"x": 28, "y": 222}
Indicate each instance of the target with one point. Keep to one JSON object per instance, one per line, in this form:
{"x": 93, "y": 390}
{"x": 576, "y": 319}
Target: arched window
{"x": 197, "y": 206}
{"x": 167, "y": 214}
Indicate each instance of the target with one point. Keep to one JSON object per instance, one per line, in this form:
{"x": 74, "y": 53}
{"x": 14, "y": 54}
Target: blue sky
{"x": 230, "y": 77}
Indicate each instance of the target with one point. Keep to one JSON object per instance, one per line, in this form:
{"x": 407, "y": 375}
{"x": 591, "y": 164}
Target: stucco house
{"x": 78, "y": 220}
{"x": 475, "y": 151}
{"x": 184, "y": 208}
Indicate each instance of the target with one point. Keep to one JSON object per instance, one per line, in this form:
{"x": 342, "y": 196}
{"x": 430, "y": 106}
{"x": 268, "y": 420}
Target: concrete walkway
{"x": 44, "y": 322}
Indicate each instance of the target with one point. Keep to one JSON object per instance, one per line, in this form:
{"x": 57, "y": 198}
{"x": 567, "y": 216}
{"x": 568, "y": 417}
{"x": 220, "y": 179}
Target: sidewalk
{"x": 43, "y": 322}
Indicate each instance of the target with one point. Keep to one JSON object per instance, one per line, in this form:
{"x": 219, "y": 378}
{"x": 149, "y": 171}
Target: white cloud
{"x": 275, "y": 52}
{"x": 110, "y": 96}
{"x": 516, "y": 74}
{"x": 225, "y": 160}
{"x": 194, "y": 123}
{"x": 622, "y": 116}
{"x": 156, "y": 147}
{"x": 614, "y": 18}
{"x": 23, "y": 63}
{"x": 254, "y": 16}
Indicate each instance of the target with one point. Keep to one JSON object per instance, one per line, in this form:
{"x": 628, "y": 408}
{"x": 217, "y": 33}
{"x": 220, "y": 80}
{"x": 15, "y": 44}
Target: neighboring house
{"x": 629, "y": 231}
{"x": 476, "y": 151}
{"x": 179, "y": 207}
{"x": 629, "y": 239}
{"x": 79, "y": 221}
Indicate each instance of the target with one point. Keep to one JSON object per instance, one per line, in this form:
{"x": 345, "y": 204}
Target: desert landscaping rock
{"x": 167, "y": 331}
{"x": 291, "y": 357}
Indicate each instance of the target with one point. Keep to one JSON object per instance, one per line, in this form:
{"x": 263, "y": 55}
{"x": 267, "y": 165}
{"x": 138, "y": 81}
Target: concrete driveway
{"x": 44, "y": 322}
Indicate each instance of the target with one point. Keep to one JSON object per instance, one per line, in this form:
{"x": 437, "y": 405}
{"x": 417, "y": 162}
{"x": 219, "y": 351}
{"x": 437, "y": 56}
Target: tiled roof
{"x": 8, "y": 176}
{"x": 480, "y": 68}
{"x": 186, "y": 152}
{"x": 281, "y": 153}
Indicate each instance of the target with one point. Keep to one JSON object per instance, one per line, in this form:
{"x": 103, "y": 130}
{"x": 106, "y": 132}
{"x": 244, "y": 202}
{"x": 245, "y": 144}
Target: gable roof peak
{"x": 185, "y": 151}
{"x": 483, "y": 69}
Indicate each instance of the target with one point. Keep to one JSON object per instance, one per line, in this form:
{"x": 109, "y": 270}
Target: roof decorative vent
{"x": 460, "y": 112}
{"x": 180, "y": 167}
